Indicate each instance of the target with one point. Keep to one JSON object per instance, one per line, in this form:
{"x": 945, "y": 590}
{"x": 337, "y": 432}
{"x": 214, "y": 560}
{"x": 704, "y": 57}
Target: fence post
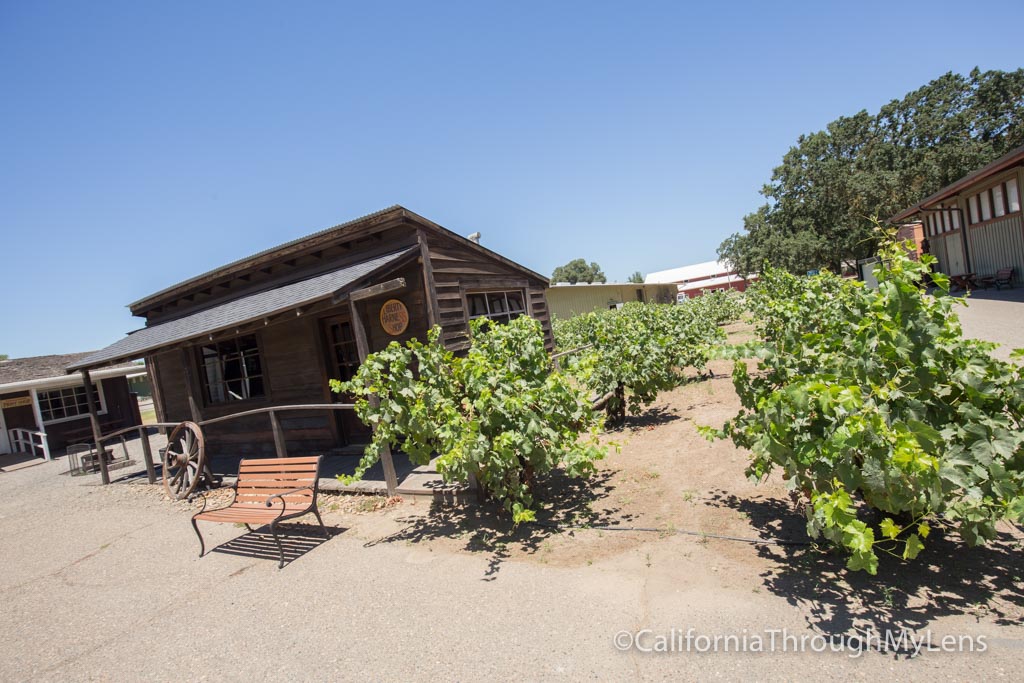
{"x": 90, "y": 397}
{"x": 147, "y": 454}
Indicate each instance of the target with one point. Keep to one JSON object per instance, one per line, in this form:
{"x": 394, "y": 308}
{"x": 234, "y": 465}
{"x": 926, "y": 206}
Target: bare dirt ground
{"x": 104, "y": 583}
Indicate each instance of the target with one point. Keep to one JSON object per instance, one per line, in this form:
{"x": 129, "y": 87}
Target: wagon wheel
{"x": 184, "y": 460}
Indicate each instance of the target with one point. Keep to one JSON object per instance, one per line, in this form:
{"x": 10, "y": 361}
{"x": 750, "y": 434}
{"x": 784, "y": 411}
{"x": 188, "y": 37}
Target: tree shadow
{"x": 486, "y": 528}
{"x": 948, "y": 578}
{"x": 650, "y": 418}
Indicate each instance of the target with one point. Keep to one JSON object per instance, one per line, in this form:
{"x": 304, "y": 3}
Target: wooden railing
{"x": 280, "y": 445}
{"x": 27, "y": 441}
{"x": 556, "y": 358}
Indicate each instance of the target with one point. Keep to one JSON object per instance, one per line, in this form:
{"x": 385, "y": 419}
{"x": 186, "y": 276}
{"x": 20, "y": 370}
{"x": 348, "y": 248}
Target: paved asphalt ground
{"x": 104, "y": 583}
{"x": 996, "y": 316}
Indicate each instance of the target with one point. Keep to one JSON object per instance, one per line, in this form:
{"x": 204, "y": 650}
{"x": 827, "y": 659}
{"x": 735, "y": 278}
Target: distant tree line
{"x": 831, "y": 183}
{"x": 577, "y": 270}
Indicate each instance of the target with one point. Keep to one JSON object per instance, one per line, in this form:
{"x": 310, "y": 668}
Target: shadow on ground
{"x": 486, "y": 528}
{"x": 649, "y": 419}
{"x": 296, "y": 541}
{"x": 947, "y": 578}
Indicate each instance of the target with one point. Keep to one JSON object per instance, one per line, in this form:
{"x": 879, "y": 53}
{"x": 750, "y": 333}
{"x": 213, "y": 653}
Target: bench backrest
{"x": 1004, "y": 274}
{"x": 259, "y": 478}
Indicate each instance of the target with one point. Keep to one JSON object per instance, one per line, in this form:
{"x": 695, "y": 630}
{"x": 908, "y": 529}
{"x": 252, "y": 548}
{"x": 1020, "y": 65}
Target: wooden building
{"x": 567, "y": 300}
{"x": 273, "y": 328}
{"x": 43, "y": 410}
{"x": 974, "y": 225}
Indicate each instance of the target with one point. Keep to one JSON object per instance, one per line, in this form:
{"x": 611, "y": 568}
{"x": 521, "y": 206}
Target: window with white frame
{"x": 943, "y": 219}
{"x": 500, "y": 306}
{"x": 232, "y": 370}
{"x": 995, "y": 202}
{"x": 68, "y": 403}
{"x": 998, "y": 204}
{"x": 975, "y": 209}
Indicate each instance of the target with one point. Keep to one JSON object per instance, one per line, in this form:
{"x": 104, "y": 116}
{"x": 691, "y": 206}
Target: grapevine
{"x": 497, "y": 414}
{"x": 872, "y": 400}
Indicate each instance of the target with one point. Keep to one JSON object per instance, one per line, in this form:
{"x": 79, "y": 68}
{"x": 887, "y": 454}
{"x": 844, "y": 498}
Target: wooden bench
{"x": 1004, "y": 276}
{"x": 268, "y": 491}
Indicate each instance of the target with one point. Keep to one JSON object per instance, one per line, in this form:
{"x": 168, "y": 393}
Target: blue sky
{"x": 141, "y": 144}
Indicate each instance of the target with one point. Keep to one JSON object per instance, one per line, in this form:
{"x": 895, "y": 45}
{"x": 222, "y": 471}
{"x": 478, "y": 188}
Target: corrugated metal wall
{"x": 938, "y": 249}
{"x": 997, "y": 245}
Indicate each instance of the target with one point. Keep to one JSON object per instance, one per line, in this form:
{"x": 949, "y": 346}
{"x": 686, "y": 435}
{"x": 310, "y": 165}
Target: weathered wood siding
{"x": 293, "y": 352}
{"x": 293, "y": 374}
{"x": 21, "y": 417}
{"x": 414, "y": 298}
{"x": 458, "y": 270}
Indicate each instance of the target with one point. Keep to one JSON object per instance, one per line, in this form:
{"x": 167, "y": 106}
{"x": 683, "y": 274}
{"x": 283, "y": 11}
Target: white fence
{"x": 28, "y": 441}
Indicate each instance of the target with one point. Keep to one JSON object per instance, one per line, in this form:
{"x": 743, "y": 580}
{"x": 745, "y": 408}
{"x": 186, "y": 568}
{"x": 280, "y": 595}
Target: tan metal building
{"x": 974, "y": 225}
{"x": 566, "y": 300}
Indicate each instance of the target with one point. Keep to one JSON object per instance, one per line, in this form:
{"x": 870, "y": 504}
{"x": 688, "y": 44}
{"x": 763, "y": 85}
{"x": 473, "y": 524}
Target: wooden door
{"x": 955, "y": 253}
{"x": 342, "y": 363}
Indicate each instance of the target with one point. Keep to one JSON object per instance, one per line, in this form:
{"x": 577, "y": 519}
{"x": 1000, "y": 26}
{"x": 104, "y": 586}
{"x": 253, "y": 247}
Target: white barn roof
{"x": 713, "y": 282}
{"x": 693, "y": 272}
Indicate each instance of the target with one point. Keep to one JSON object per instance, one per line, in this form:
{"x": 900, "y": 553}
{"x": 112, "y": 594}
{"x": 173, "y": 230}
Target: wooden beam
{"x": 193, "y": 406}
{"x": 38, "y": 413}
{"x": 429, "y": 286}
{"x": 279, "y": 444}
{"x": 375, "y": 290}
{"x": 362, "y": 347}
{"x": 147, "y": 455}
{"x": 90, "y": 398}
{"x": 358, "y": 331}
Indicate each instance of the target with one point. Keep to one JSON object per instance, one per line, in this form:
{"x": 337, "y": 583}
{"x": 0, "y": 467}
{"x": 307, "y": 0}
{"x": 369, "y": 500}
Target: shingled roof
{"x": 238, "y": 311}
{"x": 40, "y": 367}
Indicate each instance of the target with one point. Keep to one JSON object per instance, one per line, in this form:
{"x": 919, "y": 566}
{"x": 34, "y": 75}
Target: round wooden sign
{"x": 394, "y": 317}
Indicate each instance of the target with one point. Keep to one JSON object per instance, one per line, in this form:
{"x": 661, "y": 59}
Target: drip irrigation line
{"x": 684, "y": 532}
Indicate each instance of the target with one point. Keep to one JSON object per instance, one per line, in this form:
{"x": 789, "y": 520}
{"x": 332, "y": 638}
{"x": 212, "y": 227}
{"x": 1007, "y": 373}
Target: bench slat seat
{"x": 268, "y": 491}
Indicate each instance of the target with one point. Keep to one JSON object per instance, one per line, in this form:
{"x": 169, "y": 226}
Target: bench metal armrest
{"x": 192, "y": 496}
{"x": 285, "y": 493}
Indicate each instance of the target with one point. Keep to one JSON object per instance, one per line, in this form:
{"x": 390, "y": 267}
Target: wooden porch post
{"x": 193, "y": 407}
{"x": 39, "y": 422}
{"x": 279, "y": 444}
{"x": 90, "y": 397}
{"x": 363, "y": 347}
{"x": 433, "y": 309}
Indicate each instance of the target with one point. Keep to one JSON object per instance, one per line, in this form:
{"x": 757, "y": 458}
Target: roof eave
{"x": 242, "y": 264}
{"x": 408, "y": 255}
{"x": 67, "y": 380}
{"x": 440, "y": 229}
{"x": 1008, "y": 160}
